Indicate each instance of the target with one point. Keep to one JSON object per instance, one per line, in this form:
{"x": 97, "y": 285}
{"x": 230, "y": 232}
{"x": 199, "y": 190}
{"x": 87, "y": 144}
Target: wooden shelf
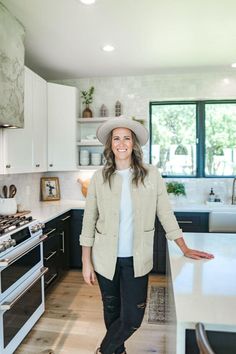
{"x": 89, "y": 167}
{"x": 93, "y": 120}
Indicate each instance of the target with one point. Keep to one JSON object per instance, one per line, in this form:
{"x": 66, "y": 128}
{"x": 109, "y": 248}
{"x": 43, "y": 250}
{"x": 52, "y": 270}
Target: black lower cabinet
{"x": 64, "y": 229}
{"x": 51, "y": 253}
{"x": 188, "y": 222}
{"x": 56, "y": 248}
{"x": 75, "y": 248}
{"x": 221, "y": 342}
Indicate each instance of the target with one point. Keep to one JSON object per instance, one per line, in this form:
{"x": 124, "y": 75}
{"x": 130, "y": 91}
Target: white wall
{"x": 135, "y": 93}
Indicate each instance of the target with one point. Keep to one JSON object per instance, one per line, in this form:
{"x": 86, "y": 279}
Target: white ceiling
{"x": 64, "y": 37}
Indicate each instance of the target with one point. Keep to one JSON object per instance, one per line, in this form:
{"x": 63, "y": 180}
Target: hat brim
{"x": 139, "y": 130}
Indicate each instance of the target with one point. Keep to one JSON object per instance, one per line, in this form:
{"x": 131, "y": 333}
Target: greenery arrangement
{"x": 176, "y": 188}
{"x": 87, "y": 96}
{"x": 142, "y": 121}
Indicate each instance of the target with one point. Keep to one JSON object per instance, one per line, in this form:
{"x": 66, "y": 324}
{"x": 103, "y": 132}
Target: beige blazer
{"x": 101, "y": 221}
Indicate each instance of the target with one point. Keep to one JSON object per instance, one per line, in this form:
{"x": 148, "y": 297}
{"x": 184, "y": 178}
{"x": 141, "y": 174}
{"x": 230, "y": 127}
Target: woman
{"x": 118, "y": 229}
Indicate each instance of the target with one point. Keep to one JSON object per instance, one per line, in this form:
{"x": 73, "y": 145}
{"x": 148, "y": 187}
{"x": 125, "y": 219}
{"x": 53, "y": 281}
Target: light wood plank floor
{"x": 73, "y": 322}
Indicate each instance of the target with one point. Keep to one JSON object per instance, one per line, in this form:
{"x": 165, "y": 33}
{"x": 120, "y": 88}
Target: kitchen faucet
{"x": 234, "y": 192}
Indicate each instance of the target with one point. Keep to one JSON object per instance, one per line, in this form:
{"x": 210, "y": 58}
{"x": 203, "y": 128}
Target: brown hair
{"x": 139, "y": 171}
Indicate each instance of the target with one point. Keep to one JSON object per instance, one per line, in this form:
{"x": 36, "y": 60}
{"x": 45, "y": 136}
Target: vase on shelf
{"x": 87, "y": 113}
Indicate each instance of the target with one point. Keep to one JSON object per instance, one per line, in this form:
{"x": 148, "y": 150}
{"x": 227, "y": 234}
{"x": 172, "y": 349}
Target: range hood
{"x": 12, "y": 53}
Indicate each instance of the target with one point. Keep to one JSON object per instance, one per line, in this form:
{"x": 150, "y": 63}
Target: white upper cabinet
{"x": 26, "y": 147}
{"x": 62, "y": 112}
{"x": 40, "y": 136}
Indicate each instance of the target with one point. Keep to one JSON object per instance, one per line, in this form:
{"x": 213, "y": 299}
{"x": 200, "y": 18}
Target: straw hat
{"x": 139, "y": 130}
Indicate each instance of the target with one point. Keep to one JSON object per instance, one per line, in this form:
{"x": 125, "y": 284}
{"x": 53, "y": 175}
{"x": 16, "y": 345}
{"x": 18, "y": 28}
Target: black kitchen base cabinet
{"x": 193, "y": 222}
{"x": 75, "y": 248}
{"x": 51, "y": 253}
{"x": 188, "y": 222}
{"x": 56, "y": 248}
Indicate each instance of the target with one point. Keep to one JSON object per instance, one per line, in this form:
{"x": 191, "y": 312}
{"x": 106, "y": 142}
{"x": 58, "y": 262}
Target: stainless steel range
{"x": 21, "y": 279}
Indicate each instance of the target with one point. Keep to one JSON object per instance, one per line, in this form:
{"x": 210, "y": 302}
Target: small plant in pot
{"x": 175, "y": 190}
{"x": 87, "y": 97}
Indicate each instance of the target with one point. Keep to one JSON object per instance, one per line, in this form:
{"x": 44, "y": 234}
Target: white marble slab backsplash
{"x": 28, "y": 187}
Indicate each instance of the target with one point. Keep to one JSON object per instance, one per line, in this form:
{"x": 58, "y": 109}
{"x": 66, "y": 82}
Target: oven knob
{"x": 7, "y": 244}
{"x": 13, "y": 242}
{"x": 41, "y": 225}
{"x": 34, "y": 228}
{"x": 2, "y": 248}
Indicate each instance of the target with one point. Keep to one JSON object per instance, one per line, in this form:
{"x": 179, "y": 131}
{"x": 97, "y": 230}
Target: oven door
{"x": 20, "y": 311}
{"x": 21, "y": 263}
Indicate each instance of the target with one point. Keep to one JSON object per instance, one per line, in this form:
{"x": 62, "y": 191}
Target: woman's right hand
{"x": 88, "y": 273}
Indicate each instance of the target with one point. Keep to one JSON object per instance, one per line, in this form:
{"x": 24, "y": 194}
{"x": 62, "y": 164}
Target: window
{"x": 193, "y": 139}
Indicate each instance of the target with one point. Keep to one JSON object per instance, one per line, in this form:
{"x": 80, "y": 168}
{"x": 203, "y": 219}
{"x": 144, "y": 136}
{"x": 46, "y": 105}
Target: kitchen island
{"x": 202, "y": 291}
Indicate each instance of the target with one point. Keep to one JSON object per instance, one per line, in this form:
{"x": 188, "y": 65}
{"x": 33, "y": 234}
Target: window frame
{"x": 200, "y": 134}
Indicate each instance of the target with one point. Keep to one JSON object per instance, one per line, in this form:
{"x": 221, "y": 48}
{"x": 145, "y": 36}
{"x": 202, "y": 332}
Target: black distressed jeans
{"x": 124, "y": 301}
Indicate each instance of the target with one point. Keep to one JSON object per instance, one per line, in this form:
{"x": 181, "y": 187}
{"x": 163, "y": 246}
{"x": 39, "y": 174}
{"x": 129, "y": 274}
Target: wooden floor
{"x": 73, "y": 322}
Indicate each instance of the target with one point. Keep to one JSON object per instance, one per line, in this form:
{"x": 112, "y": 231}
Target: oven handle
{"x": 9, "y": 305}
{"x": 8, "y": 261}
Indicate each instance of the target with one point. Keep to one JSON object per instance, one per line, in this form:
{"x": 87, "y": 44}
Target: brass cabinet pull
{"x": 50, "y": 256}
{"x": 67, "y": 217}
{"x": 51, "y": 279}
{"x": 185, "y": 222}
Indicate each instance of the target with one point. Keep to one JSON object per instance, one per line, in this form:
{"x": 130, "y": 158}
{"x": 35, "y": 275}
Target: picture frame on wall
{"x": 50, "y": 188}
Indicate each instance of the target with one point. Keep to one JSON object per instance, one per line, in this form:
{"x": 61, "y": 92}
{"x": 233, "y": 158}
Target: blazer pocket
{"x": 97, "y": 232}
{"x": 149, "y": 231}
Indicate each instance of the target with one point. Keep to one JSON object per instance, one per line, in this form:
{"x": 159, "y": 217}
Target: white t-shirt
{"x": 125, "y": 242}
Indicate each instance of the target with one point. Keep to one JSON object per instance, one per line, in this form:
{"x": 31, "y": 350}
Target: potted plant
{"x": 87, "y": 97}
{"x": 175, "y": 191}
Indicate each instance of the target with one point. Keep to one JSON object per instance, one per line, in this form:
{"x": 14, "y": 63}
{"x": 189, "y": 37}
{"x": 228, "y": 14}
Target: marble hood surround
{"x": 12, "y": 52}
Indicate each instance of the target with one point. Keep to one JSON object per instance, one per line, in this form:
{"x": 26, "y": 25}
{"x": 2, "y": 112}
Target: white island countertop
{"x": 203, "y": 290}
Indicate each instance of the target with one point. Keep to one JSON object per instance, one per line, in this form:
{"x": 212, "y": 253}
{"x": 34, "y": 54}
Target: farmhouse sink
{"x": 223, "y": 220}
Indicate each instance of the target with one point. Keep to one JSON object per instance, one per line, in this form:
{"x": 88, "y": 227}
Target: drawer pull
{"x": 51, "y": 279}
{"x": 63, "y": 241}
{"x": 67, "y": 217}
{"x": 50, "y": 256}
{"x": 50, "y": 232}
{"x": 185, "y": 222}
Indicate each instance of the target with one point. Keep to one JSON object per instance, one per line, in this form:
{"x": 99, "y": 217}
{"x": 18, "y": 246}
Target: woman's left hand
{"x": 195, "y": 254}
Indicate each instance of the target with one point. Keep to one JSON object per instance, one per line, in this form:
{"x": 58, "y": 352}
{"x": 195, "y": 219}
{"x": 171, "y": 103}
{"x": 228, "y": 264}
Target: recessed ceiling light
{"x": 108, "y": 48}
{"x": 88, "y": 2}
{"x": 233, "y": 65}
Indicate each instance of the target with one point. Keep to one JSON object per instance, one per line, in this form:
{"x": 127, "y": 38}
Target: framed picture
{"x": 50, "y": 189}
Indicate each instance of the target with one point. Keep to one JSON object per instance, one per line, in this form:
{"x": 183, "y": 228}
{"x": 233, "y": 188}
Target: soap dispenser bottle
{"x": 211, "y": 196}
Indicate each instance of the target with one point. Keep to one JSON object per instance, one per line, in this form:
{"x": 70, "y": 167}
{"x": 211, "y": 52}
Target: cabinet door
{"x": 51, "y": 253}
{"x": 64, "y": 226}
{"x": 18, "y": 142}
{"x": 193, "y": 222}
{"x": 75, "y": 248}
{"x": 39, "y": 128}
{"x": 62, "y": 110}
{"x": 159, "y": 250}
{"x": 1, "y": 152}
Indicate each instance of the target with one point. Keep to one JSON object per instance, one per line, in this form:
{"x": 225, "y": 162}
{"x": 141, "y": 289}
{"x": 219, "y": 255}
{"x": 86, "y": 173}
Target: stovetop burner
{"x": 11, "y": 222}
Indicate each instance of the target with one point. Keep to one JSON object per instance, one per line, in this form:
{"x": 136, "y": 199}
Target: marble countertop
{"x": 45, "y": 211}
{"x": 205, "y": 290}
